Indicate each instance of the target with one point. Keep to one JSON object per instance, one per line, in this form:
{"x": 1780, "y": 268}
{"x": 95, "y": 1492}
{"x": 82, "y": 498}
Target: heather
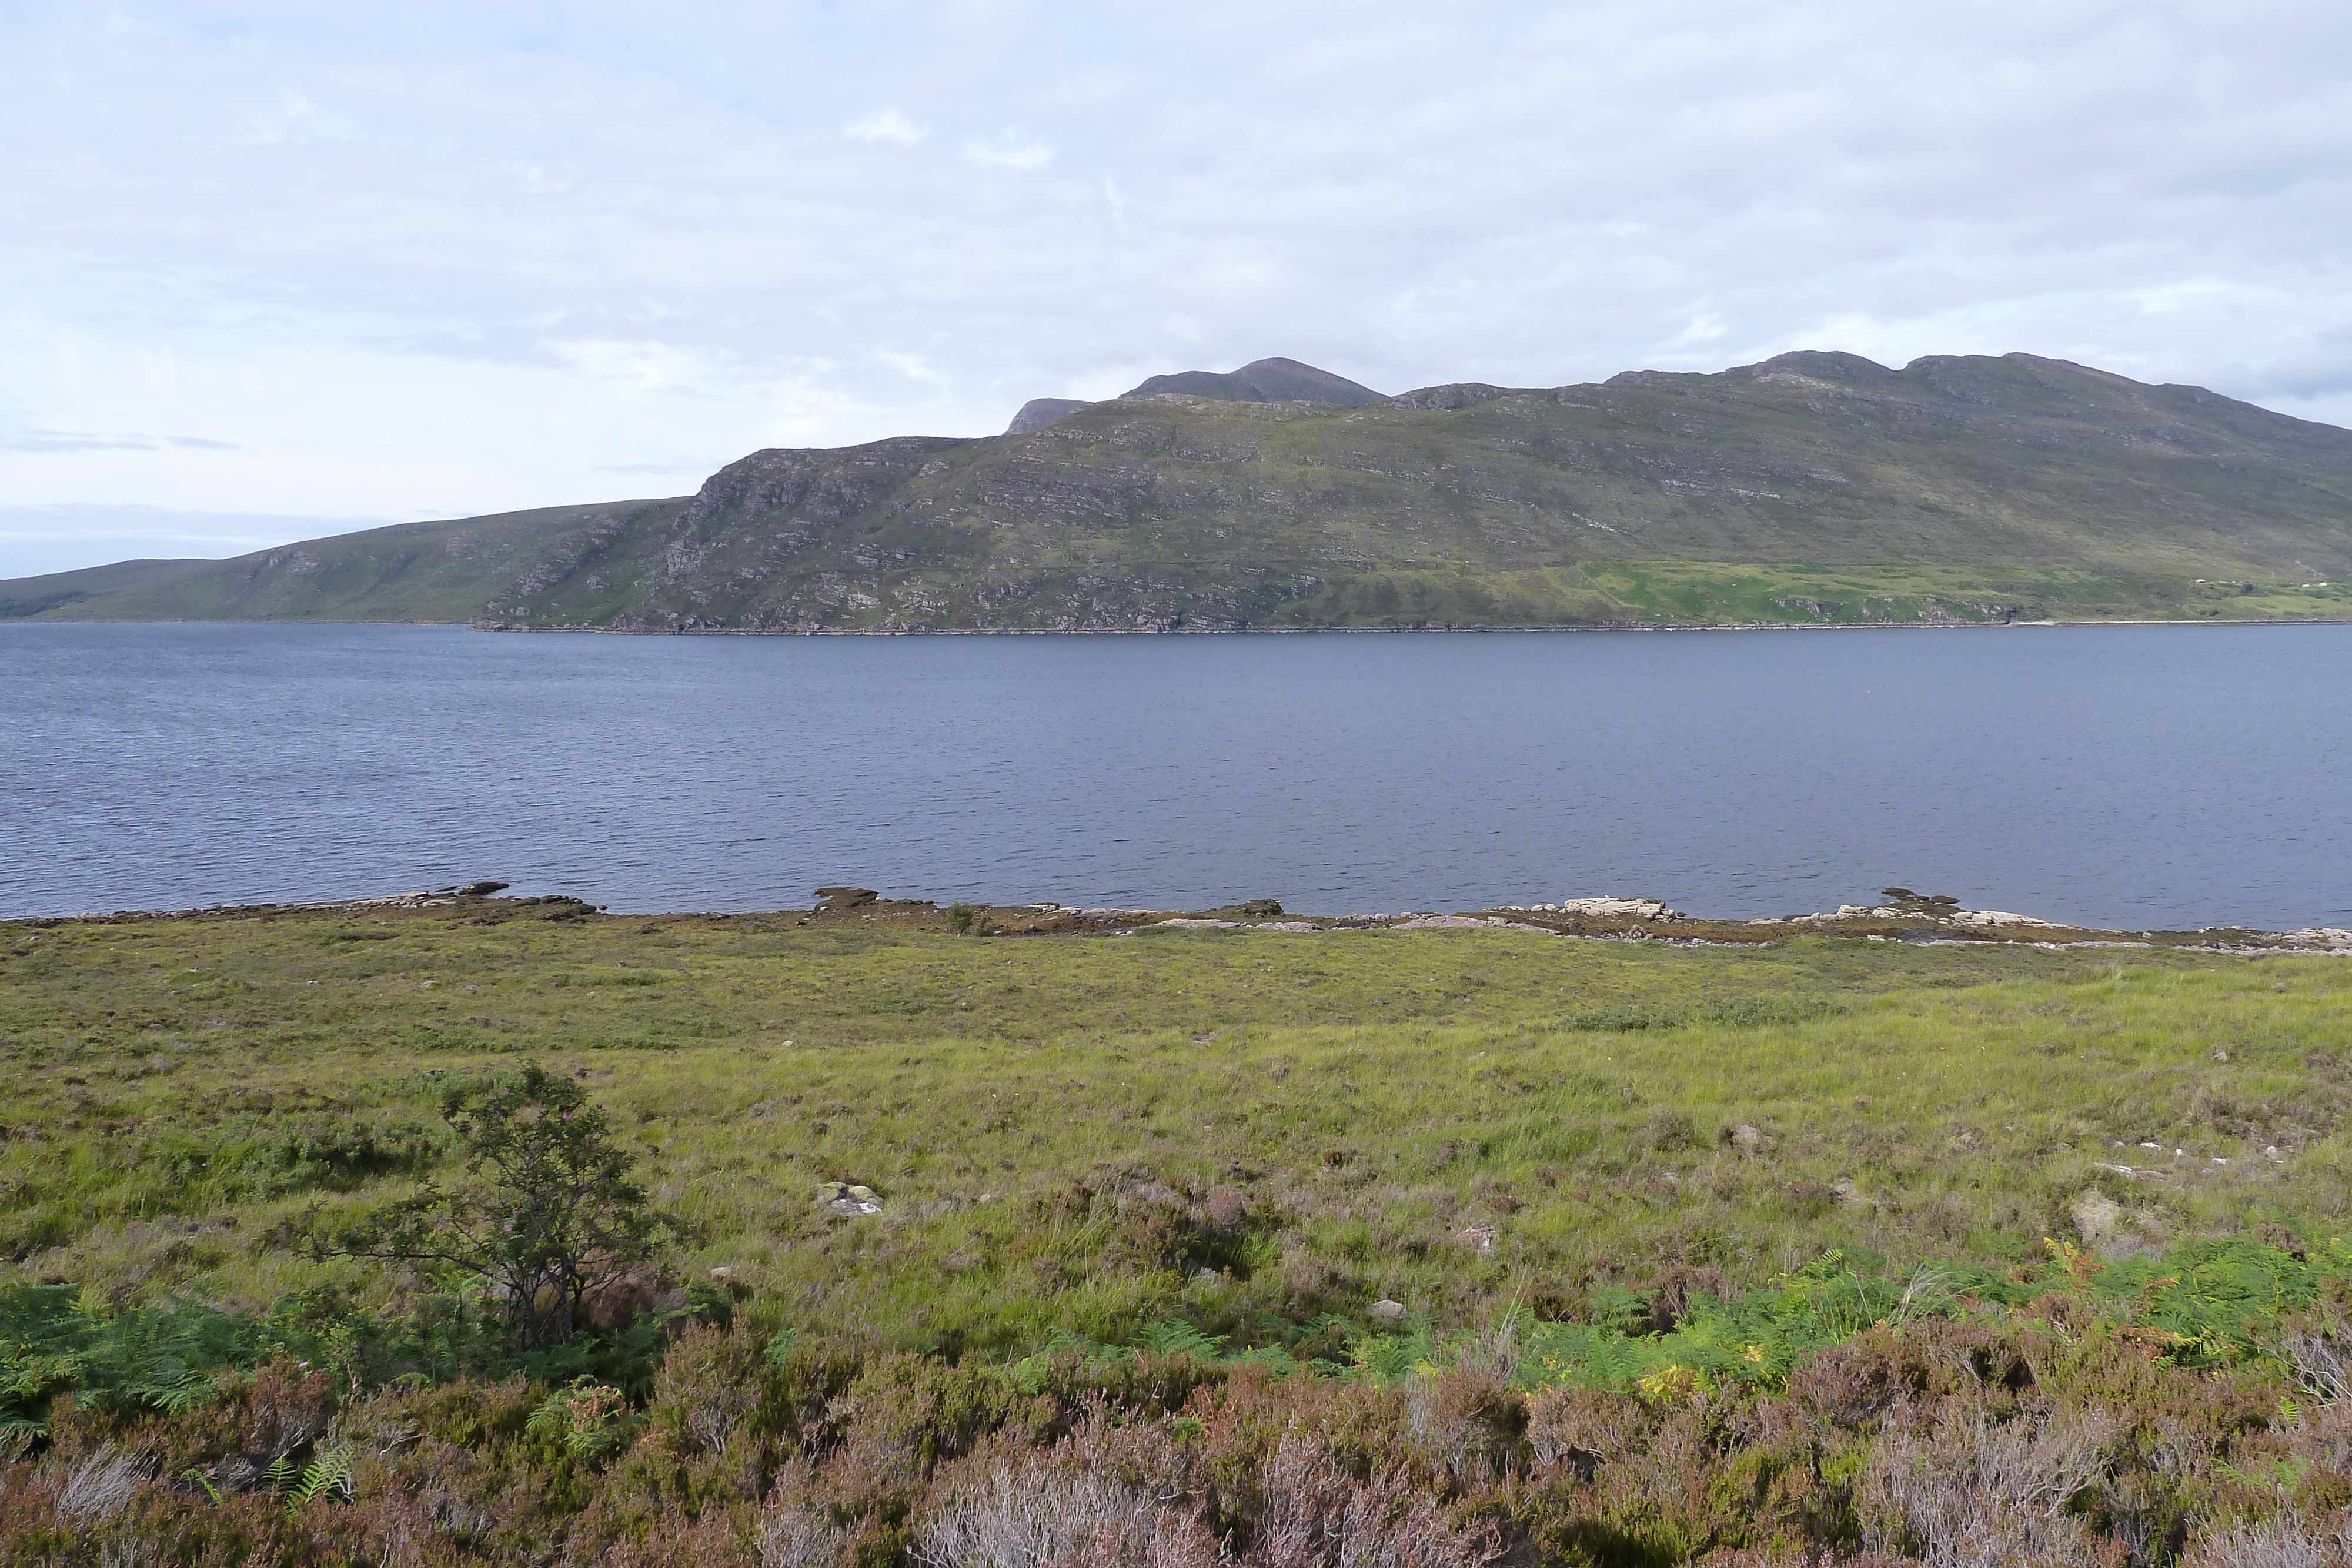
{"x": 1402, "y": 1246}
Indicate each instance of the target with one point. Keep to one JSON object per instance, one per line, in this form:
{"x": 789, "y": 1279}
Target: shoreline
{"x": 1923, "y": 923}
{"x": 1472, "y": 631}
{"x": 1464, "y": 631}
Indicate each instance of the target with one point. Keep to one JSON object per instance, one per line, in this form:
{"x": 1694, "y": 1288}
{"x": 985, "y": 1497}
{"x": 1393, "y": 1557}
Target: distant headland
{"x": 1811, "y": 489}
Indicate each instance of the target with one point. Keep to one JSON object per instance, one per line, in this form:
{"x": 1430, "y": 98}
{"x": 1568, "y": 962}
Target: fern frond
{"x": 329, "y": 1474}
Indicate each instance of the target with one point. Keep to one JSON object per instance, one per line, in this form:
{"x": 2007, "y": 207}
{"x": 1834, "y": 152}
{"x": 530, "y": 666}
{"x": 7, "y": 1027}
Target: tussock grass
{"x": 1454, "y": 1121}
{"x": 1743, "y": 1256}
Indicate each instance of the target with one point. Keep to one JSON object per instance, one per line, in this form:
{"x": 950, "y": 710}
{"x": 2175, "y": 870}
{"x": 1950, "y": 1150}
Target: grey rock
{"x": 1747, "y": 1139}
{"x": 847, "y": 1200}
{"x": 2096, "y": 1216}
{"x": 1040, "y": 412}
{"x": 1476, "y": 1237}
{"x": 1387, "y": 1311}
{"x": 1451, "y": 396}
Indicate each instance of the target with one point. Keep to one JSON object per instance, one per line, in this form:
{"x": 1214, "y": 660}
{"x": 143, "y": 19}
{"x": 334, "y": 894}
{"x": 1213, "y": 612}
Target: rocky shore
{"x": 1902, "y": 916}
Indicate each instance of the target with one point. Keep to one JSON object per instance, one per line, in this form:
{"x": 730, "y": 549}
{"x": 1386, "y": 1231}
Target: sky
{"x": 278, "y": 268}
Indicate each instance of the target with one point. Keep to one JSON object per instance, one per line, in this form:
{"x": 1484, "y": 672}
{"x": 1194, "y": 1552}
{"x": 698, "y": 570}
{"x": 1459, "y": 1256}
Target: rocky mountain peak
{"x": 1040, "y": 412}
{"x": 1262, "y": 380}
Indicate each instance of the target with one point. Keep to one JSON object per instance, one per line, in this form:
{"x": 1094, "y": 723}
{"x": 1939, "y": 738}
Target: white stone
{"x": 2095, "y": 1216}
{"x": 1613, "y": 908}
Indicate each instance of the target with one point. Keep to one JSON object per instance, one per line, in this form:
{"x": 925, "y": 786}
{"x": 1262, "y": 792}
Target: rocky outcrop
{"x": 1262, "y": 380}
{"x": 1602, "y": 909}
{"x": 849, "y": 1200}
{"x": 1040, "y": 412}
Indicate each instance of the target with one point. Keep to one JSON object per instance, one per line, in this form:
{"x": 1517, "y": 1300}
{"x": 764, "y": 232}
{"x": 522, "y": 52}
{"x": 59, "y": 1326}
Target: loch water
{"x": 2134, "y": 776}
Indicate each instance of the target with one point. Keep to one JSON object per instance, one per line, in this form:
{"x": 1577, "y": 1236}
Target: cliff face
{"x": 1955, "y": 489}
{"x": 1811, "y": 487}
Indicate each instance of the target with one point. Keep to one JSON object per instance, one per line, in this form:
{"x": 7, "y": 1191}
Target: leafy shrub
{"x": 52, "y": 1339}
{"x": 552, "y": 1212}
{"x": 590, "y": 1419}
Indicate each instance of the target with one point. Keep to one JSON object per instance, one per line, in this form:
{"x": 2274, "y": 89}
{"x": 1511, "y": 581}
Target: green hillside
{"x": 1812, "y": 488}
{"x": 411, "y": 572}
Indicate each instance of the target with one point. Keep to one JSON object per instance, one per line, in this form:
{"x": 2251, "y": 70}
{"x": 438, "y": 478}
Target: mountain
{"x": 1040, "y": 412}
{"x": 1260, "y": 380}
{"x": 1811, "y": 488}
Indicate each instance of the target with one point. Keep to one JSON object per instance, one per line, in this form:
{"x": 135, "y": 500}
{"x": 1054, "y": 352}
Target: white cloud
{"x": 480, "y": 262}
{"x": 293, "y": 118}
{"x": 915, "y": 368}
{"x": 648, "y": 366}
{"x": 1008, "y": 150}
{"x": 888, "y": 125}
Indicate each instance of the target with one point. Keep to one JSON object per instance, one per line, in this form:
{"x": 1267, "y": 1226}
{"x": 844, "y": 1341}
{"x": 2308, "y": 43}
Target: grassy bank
{"x": 1140, "y": 1176}
{"x": 1700, "y": 593}
{"x": 1453, "y": 1120}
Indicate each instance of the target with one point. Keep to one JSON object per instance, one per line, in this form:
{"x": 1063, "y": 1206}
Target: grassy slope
{"x": 184, "y": 1085}
{"x": 1814, "y": 487}
{"x": 437, "y": 571}
{"x": 1796, "y": 595}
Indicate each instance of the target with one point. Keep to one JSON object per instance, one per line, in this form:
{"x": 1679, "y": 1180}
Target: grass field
{"x": 1383, "y": 1100}
{"x": 1196, "y": 1247}
{"x": 1726, "y": 593}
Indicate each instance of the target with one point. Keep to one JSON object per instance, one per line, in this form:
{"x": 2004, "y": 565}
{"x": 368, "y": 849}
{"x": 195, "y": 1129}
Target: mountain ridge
{"x": 1260, "y": 380}
{"x": 1812, "y": 487}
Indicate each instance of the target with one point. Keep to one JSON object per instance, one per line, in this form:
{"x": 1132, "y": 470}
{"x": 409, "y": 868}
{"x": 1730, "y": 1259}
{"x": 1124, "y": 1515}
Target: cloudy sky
{"x": 270, "y": 269}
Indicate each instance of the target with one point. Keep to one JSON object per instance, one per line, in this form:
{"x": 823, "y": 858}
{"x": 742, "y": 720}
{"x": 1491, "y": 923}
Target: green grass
{"x": 1727, "y": 593}
{"x": 1457, "y": 1121}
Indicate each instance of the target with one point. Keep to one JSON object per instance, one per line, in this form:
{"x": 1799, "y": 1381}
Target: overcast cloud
{"x": 366, "y": 262}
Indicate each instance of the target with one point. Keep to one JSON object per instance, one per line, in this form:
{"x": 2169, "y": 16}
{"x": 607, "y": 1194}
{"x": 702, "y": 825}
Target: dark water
{"x": 2127, "y": 776}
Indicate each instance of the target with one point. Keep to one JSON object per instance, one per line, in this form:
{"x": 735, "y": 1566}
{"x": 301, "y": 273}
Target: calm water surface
{"x": 2124, "y": 776}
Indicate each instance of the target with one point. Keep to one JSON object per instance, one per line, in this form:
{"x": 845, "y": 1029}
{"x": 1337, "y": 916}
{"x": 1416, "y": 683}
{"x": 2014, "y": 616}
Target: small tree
{"x": 551, "y": 1208}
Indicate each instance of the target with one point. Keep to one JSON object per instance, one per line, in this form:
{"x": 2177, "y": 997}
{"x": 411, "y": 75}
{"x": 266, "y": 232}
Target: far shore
{"x": 1238, "y": 630}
